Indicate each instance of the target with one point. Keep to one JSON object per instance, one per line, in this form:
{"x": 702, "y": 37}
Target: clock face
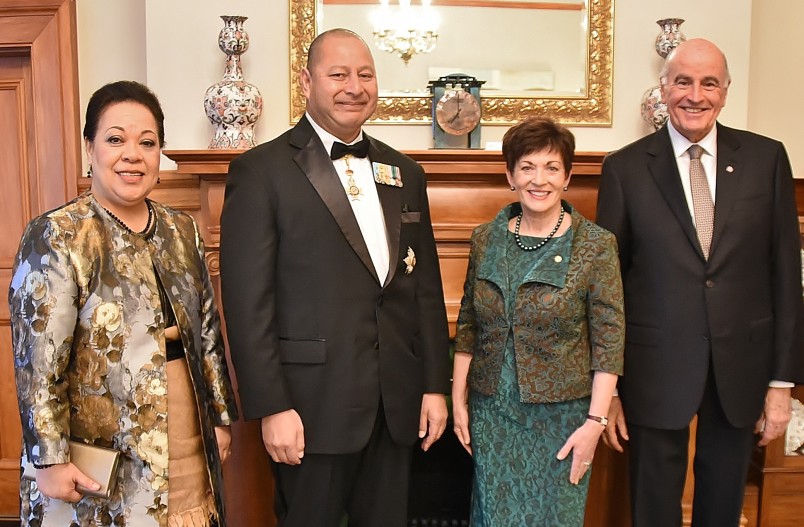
{"x": 458, "y": 112}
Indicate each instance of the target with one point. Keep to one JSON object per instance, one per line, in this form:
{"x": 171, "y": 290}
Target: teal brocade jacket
{"x": 567, "y": 318}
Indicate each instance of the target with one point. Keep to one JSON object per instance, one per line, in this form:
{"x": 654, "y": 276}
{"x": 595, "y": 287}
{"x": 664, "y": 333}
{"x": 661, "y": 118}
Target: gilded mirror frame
{"x": 592, "y": 109}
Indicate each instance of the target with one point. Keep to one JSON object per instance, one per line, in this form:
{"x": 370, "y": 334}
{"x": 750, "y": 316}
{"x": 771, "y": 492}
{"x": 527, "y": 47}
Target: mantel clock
{"x": 456, "y": 111}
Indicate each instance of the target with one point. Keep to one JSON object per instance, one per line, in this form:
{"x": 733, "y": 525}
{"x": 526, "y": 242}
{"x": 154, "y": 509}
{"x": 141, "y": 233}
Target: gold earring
{"x": 566, "y": 188}
{"x": 513, "y": 188}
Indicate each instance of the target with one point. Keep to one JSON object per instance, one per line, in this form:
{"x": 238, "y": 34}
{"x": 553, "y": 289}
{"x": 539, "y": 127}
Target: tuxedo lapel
{"x": 730, "y": 171}
{"x": 664, "y": 169}
{"x": 391, "y": 203}
{"x": 317, "y": 166}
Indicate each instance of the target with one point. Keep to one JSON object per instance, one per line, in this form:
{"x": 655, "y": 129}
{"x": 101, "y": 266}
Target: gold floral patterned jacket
{"x": 89, "y": 354}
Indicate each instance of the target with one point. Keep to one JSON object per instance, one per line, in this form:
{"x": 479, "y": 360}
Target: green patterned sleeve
{"x": 606, "y": 313}
{"x": 466, "y": 330}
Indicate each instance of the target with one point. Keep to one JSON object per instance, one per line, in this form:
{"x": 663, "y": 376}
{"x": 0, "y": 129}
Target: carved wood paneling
{"x": 15, "y": 75}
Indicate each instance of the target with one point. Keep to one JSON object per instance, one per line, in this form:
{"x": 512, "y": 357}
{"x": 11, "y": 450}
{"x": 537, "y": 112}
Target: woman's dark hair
{"x": 123, "y": 91}
{"x": 535, "y": 134}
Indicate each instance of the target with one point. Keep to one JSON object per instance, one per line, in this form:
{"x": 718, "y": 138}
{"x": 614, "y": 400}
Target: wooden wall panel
{"x": 11, "y": 431}
{"x": 15, "y": 197}
{"x": 15, "y": 75}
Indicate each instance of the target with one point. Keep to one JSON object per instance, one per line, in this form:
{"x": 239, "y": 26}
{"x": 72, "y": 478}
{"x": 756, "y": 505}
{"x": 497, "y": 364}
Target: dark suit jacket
{"x": 743, "y": 306}
{"x": 309, "y": 325}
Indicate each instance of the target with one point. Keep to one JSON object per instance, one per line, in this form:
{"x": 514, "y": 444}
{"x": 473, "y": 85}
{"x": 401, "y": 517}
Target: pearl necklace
{"x": 128, "y": 229}
{"x": 541, "y": 243}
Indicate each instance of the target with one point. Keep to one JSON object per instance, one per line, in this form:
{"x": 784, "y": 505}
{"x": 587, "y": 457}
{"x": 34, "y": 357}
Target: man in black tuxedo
{"x": 333, "y": 300}
{"x": 709, "y": 246}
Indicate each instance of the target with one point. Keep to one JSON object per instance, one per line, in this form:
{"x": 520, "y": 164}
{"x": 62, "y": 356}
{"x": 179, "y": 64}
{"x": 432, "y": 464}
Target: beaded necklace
{"x": 143, "y": 232}
{"x": 541, "y": 243}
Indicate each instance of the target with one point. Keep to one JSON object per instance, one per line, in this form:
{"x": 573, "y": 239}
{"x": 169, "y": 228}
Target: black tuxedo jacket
{"x": 309, "y": 325}
{"x": 742, "y": 307}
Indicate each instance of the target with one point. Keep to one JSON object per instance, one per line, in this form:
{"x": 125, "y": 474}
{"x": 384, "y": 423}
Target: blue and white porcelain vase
{"x": 233, "y": 105}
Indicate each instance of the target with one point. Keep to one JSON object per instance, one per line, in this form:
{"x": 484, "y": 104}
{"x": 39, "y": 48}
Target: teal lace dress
{"x": 518, "y": 480}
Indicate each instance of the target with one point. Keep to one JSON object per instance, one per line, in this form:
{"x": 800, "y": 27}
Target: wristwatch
{"x": 603, "y": 420}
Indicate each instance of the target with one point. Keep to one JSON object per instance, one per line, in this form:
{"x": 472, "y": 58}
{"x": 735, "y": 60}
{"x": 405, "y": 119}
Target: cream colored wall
{"x": 173, "y": 47}
{"x": 111, "y": 44}
{"x": 777, "y": 76}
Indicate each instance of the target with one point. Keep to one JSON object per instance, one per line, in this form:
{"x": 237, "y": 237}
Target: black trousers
{"x": 370, "y": 486}
{"x": 658, "y": 469}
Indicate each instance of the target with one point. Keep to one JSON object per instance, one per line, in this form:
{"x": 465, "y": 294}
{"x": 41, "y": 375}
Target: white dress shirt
{"x": 367, "y": 208}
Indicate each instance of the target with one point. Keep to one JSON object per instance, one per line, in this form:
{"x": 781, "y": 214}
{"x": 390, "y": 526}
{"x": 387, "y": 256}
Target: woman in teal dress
{"x": 539, "y": 342}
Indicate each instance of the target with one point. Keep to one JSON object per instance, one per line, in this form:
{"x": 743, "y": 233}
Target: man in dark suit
{"x": 333, "y": 301}
{"x": 709, "y": 247}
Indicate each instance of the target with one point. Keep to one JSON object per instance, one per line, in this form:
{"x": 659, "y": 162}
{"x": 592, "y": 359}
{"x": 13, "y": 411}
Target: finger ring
{"x": 587, "y": 463}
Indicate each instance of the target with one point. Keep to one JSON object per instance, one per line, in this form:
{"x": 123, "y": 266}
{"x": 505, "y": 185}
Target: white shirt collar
{"x": 327, "y": 138}
{"x": 681, "y": 144}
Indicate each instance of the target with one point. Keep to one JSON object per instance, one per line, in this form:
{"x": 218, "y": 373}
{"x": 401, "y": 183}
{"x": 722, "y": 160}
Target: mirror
{"x": 566, "y": 72}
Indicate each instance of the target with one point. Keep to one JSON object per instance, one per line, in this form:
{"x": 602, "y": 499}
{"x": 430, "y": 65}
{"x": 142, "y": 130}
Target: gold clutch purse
{"x": 96, "y": 462}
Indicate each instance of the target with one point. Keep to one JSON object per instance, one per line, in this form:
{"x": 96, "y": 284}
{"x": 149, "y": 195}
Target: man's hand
{"x": 432, "y": 419}
{"x": 778, "y": 412}
{"x": 60, "y": 481}
{"x": 616, "y": 424}
{"x": 283, "y": 437}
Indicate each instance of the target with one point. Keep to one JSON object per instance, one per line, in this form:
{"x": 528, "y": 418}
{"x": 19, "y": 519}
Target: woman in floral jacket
{"x": 117, "y": 341}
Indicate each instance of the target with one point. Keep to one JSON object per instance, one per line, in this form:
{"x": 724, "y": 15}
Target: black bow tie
{"x": 359, "y": 149}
